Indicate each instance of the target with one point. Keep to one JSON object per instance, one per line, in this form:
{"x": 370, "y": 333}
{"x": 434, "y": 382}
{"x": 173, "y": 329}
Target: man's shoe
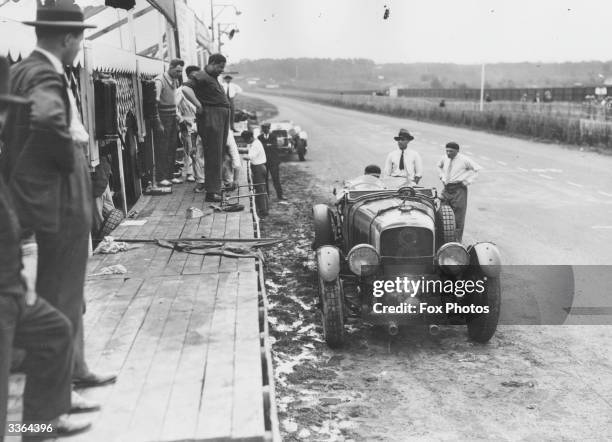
{"x": 213, "y": 198}
{"x": 176, "y": 181}
{"x": 164, "y": 183}
{"x": 94, "y": 380}
{"x": 199, "y": 188}
{"x": 64, "y": 426}
{"x": 78, "y": 404}
{"x": 190, "y": 179}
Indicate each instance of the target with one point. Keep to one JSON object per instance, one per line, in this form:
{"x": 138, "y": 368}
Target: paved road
{"x": 541, "y": 203}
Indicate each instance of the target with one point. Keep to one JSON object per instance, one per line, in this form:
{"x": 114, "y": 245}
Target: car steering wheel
{"x": 406, "y": 192}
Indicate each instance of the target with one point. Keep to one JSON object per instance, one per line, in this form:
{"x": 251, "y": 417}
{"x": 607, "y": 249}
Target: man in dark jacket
{"x": 270, "y": 144}
{"x": 44, "y": 165}
{"x": 30, "y": 323}
{"x": 213, "y": 122}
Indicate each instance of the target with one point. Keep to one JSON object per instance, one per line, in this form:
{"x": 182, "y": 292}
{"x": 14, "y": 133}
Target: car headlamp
{"x": 363, "y": 260}
{"x": 452, "y": 258}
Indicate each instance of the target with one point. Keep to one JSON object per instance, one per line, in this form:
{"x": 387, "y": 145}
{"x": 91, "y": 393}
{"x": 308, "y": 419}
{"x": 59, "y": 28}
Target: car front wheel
{"x": 332, "y": 311}
{"x": 481, "y": 327}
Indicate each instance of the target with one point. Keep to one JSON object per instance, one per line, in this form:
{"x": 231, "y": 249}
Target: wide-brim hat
{"x": 403, "y": 135}
{"x": 265, "y": 125}
{"x": 5, "y": 97}
{"x": 63, "y": 14}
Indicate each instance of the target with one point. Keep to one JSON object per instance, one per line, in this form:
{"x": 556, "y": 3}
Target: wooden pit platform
{"x": 186, "y": 334}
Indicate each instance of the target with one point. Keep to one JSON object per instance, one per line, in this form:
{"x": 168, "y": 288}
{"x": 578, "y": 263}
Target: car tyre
{"x": 332, "y": 312}
{"x": 323, "y": 226}
{"x": 482, "y": 327}
{"x": 445, "y": 225}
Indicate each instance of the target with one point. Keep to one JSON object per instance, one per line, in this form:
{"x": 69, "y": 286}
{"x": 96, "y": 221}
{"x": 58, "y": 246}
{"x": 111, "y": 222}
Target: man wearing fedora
{"x": 28, "y": 322}
{"x": 404, "y": 162}
{"x": 456, "y": 173}
{"x": 44, "y": 165}
{"x": 231, "y": 90}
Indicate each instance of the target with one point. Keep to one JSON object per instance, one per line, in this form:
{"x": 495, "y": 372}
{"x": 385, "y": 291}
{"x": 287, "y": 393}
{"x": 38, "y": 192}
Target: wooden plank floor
{"x": 181, "y": 330}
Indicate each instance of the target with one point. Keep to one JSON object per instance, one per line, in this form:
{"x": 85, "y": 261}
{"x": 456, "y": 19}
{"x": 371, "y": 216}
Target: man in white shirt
{"x": 404, "y": 162}
{"x": 456, "y": 173}
{"x": 231, "y": 90}
{"x": 257, "y": 157}
{"x": 231, "y": 163}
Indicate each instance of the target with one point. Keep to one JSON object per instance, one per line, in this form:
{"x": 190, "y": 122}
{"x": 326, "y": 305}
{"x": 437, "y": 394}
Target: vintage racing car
{"x": 291, "y": 139}
{"x": 389, "y": 256}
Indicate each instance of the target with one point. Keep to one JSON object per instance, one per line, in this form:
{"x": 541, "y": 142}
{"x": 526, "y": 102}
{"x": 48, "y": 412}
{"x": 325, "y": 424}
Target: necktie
{"x": 401, "y": 164}
{"x": 448, "y": 172}
{"x": 227, "y": 92}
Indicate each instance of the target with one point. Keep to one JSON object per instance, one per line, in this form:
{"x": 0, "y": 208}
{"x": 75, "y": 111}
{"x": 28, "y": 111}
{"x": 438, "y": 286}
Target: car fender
{"x": 328, "y": 263}
{"x": 486, "y": 256}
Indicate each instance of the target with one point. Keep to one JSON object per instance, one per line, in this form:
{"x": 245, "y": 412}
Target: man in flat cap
{"x": 44, "y": 165}
{"x": 28, "y": 322}
{"x": 231, "y": 90}
{"x": 456, "y": 173}
{"x": 404, "y": 162}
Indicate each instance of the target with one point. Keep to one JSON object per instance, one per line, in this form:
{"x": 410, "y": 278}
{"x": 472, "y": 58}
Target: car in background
{"x": 281, "y": 130}
{"x": 291, "y": 138}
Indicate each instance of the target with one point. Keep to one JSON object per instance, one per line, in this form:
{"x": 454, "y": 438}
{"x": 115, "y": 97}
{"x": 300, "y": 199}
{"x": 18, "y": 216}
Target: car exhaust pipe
{"x": 434, "y": 329}
{"x": 393, "y": 329}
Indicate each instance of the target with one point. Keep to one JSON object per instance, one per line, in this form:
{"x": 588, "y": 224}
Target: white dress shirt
{"x": 413, "y": 166}
{"x": 234, "y": 89}
{"x": 257, "y": 154}
{"x": 460, "y": 169}
{"x": 77, "y": 130}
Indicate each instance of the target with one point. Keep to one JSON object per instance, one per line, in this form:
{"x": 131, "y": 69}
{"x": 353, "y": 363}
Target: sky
{"x": 445, "y": 31}
{"x": 457, "y": 31}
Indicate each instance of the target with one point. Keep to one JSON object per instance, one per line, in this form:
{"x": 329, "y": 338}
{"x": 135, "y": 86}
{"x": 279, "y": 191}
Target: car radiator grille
{"x": 406, "y": 242}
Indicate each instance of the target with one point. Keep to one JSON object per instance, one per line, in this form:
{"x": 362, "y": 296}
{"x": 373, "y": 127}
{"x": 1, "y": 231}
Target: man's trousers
{"x": 273, "y": 170}
{"x": 456, "y": 197}
{"x": 258, "y": 175}
{"x": 194, "y": 155}
{"x": 46, "y": 335}
{"x": 166, "y": 143}
{"x": 60, "y": 280}
{"x": 213, "y": 127}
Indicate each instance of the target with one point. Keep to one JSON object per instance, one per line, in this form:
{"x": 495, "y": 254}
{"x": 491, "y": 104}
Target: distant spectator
{"x": 488, "y": 98}
{"x": 547, "y": 96}
{"x": 231, "y": 90}
{"x": 442, "y": 103}
{"x": 536, "y": 99}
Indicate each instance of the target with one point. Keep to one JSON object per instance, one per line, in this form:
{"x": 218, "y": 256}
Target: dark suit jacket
{"x": 270, "y": 147}
{"x": 46, "y": 172}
